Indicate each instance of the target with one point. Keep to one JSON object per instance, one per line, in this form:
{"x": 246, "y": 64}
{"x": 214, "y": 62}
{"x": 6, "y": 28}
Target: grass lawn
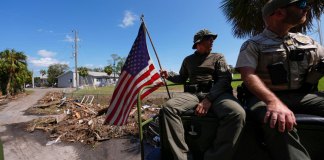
{"x": 172, "y": 87}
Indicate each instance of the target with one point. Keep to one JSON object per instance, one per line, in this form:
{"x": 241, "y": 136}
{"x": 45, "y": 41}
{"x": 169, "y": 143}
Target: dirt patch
{"x": 5, "y": 99}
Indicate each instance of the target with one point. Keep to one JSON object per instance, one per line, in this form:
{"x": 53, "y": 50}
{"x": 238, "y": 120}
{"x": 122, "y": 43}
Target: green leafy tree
{"x": 108, "y": 69}
{"x": 83, "y": 71}
{"x": 120, "y": 64}
{"x": 55, "y": 70}
{"x": 13, "y": 70}
{"x": 42, "y": 72}
{"x": 115, "y": 58}
{"x": 246, "y": 16}
{"x": 29, "y": 78}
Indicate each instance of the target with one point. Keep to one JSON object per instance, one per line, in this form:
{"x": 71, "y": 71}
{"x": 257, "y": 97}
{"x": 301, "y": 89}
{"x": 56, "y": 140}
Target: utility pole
{"x": 319, "y": 31}
{"x": 76, "y": 58}
{"x": 33, "y": 82}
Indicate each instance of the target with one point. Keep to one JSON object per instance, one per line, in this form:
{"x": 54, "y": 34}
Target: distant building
{"x": 97, "y": 79}
{"x": 42, "y": 81}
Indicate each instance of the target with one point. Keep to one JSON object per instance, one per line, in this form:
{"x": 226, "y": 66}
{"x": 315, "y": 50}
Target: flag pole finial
{"x": 142, "y": 17}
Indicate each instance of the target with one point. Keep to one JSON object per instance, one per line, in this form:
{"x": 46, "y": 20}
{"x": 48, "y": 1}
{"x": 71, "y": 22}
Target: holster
{"x": 200, "y": 89}
{"x": 243, "y": 94}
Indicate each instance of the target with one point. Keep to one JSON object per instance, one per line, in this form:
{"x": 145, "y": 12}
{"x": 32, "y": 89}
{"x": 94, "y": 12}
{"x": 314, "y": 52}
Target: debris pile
{"x": 72, "y": 121}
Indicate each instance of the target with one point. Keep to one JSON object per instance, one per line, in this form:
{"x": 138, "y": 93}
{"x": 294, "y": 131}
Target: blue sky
{"x": 42, "y": 29}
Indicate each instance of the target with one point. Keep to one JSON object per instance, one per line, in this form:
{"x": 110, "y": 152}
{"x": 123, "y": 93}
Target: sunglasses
{"x": 208, "y": 37}
{"x": 300, "y": 4}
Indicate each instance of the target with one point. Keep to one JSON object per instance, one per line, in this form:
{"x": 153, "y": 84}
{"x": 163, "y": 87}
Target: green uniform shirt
{"x": 268, "y": 49}
{"x": 202, "y": 68}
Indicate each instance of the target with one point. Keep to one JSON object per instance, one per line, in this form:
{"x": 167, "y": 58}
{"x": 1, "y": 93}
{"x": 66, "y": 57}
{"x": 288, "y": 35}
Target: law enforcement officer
{"x": 281, "y": 70}
{"x": 208, "y": 90}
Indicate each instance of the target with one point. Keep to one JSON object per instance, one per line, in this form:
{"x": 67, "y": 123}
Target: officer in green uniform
{"x": 281, "y": 70}
{"x": 208, "y": 90}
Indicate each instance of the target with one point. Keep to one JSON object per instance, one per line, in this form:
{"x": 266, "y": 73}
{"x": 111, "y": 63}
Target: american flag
{"x": 138, "y": 71}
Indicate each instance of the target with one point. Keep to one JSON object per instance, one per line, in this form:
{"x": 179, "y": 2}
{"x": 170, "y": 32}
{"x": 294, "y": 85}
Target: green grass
{"x": 238, "y": 76}
{"x": 321, "y": 85}
{"x": 235, "y": 81}
{"x": 172, "y": 87}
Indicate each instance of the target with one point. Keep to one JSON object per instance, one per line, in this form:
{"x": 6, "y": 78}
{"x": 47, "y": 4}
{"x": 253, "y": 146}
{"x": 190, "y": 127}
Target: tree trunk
{"x": 8, "y": 85}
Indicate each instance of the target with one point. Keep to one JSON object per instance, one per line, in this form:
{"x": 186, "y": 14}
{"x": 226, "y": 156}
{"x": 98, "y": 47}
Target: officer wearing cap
{"x": 207, "y": 85}
{"x": 278, "y": 68}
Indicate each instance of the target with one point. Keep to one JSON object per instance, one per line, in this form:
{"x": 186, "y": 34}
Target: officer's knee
{"x": 240, "y": 115}
{"x": 167, "y": 105}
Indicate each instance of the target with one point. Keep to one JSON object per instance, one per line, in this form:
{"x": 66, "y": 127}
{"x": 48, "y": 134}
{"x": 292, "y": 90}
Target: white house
{"x": 97, "y": 79}
{"x": 66, "y": 80}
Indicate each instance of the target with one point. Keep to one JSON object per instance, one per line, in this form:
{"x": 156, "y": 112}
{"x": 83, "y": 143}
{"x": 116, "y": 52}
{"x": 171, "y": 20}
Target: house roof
{"x": 91, "y": 73}
{"x": 43, "y": 77}
{"x": 97, "y": 74}
{"x": 64, "y": 74}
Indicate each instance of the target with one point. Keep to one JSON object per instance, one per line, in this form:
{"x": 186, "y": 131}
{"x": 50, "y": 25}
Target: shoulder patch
{"x": 303, "y": 39}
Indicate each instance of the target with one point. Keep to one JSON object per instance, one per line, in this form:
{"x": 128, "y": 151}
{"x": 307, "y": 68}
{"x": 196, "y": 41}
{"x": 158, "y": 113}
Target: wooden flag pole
{"x": 157, "y": 57}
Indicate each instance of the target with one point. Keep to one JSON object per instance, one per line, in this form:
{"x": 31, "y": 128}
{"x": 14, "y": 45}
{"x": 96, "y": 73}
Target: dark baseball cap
{"x": 200, "y": 35}
{"x": 272, "y": 5}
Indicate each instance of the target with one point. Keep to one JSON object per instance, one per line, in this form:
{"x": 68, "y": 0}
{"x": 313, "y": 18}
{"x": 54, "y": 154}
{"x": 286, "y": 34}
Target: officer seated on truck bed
{"x": 281, "y": 71}
{"x": 208, "y": 90}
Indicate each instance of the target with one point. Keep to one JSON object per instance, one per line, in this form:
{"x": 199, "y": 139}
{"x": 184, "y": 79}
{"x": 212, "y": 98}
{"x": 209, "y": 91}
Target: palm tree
{"x": 108, "y": 69}
{"x": 42, "y": 72}
{"x": 83, "y": 72}
{"x": 246, "y": 16}
{"x": 13, "y": 64}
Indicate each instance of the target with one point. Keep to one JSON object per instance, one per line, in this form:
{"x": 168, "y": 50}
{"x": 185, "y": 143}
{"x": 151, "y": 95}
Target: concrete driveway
{"x": 21, "y": 145}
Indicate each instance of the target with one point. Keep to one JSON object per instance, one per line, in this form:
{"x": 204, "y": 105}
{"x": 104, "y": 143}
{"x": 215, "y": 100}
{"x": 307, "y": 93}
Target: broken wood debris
{"x": 81, "y": 122}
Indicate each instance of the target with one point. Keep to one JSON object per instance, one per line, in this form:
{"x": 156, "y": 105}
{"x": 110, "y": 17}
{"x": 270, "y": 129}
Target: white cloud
{"x": 45, "y": 53}
{"x": 45, "y": 62}
{"x": 90, "y": 65}
{"x": 44, "y": 31}
{"x": 68, "y": 38}
{"x": 128, "y": 19}
{"x": 47, "y": 59}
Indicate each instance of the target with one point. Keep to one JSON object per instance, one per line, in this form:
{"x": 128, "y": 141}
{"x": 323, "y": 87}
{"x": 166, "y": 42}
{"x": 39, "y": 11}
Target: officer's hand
{"x": 203, "y": 107}
{"x": 164, "y": 74}
{"x": 279, "y": 113}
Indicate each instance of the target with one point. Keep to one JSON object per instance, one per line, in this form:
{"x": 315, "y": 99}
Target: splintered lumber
{"x": 45, "y": 105}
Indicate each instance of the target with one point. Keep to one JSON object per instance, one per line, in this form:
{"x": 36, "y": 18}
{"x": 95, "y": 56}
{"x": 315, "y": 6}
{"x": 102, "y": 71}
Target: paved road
{"x": 21, "y": 145}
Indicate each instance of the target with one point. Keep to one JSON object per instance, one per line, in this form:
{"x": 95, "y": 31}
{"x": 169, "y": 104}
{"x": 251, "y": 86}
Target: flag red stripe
{"x": 147, "y": 92}
{"x": 121, "y": 79}
{"x": 115, "y": 105}
{"x": 126, "y": 104}
{"x": 121, "y": 104}
{"x": 138, "y": 71}
{"x": 116, "y": 100}
{"x": 154, "y": 78}
{"x": 140, "y": 82}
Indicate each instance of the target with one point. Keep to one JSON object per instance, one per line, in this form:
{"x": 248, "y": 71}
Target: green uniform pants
{"x": 231, "y": 121}
{"x": 286, "y": 146}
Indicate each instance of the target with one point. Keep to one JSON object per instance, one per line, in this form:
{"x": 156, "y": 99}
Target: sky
{"x": 42, "y": 29}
